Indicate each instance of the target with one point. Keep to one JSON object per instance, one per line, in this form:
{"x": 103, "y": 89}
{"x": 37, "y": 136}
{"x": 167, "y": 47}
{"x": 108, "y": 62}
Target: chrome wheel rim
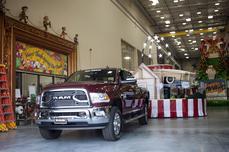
{"x": 117, "y": 123}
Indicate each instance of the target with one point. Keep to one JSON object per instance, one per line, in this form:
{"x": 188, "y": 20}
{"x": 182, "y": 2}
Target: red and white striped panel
{"x": 173, "y": 108}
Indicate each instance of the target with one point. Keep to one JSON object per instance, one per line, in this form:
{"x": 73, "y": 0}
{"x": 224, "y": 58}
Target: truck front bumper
{"x": 76, "y": 119}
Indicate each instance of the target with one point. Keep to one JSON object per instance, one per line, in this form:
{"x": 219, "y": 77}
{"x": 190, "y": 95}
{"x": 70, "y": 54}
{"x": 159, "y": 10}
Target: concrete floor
{"x": 209, "y": 134}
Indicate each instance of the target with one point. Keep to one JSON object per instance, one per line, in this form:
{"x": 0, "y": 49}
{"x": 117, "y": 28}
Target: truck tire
{"x": 112, "y": 132}
{"x": 50, "y": 134}
{"x": 144, "y": 120}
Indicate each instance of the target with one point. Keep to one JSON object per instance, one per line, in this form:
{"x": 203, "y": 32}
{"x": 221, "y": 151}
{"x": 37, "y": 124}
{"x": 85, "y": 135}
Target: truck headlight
{"x": 99, "y": 97}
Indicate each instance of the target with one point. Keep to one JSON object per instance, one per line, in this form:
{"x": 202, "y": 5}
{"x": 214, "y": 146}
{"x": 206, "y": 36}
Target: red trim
{"x": 160, "y": 108}
{"x": 195, "y": 107}
{"x": 185, "y": 108}
{"x": 173, "y": 112}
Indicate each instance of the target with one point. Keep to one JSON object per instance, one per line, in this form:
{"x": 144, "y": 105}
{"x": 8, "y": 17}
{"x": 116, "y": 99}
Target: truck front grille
{"x": 65, "y": 98}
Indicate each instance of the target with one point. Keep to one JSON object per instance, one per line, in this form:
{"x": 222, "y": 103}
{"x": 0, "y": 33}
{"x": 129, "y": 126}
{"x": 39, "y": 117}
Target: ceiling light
{"x": 167, "y": 22}
{"x": 178, "y": 43}
{"x": 201, "y": 39}
{"x": 173, "y": 32}
{"x": 162, "y": 38}
{"x": 189, "y": 40}
{"x": 175, "y": 1}
{"x": 216, "y": 10}
{"x": 196, "y": 49}
{"x": 162, "y": 17}
{"x": 194, "y": 41}
{"x": 200, "y": 29}
{"x": 160, "y": 55}
{"x": 186, "y": 30}
{"x": 201, "y": 33}
{"x": 198, "y": 13}
{"x": 192, "y": 48}
{"x": 152, "y": 40}
{"x": 158, "y": 11}
{"x": 188, "y": 35}
{"x": 187, "y": 57}
{"x": 210, "y": 28}
{"x": 127, "y": 58}
{"x": 191, "y": 30}
{"x": 186, "y": 54}
{"x": 188, "y": 19}
{"x": 169, "y": 53}
{"x": 159, "y": 47}
{"x": 144, "y": 45}
{"x": 184, "y": 23}
{"x": 167, "y": 25}
{"x": 173, "y": 35}
{"x": 150, "y": 47}
{"x": 166, "y": 45}
{"x": 150, "y": 56}
{"x": 154, "y": 2}
{"x": 181, "y": 15}
{"x": 210, "y": 17}
{"x": 149, "y": 38}
{"x": 155, "y": 37}
{"x": 158, "y": 41}
{"x": 200, "y": 21}
{"x": 214, "y": 32}
{"x": 182, "y": 49}
{"x": 216, "y": 4}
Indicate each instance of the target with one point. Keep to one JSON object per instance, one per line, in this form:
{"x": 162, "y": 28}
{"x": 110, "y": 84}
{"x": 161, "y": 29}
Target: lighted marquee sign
{"x": 35, "y": 59}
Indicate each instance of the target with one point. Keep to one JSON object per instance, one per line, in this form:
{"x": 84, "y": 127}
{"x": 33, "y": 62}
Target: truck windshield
{"x": 100, "y": 75}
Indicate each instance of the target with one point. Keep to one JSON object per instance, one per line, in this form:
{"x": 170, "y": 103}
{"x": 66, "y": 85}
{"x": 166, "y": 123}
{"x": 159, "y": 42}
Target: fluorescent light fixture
{"x": 162, "y": 17}
{"x": 150, "y": 47}
{"x": 192, "y": 48}
{"x": 184, "y": 23}
{"x": 186, "y": 31}
{"x": 181, "y": 15}
{"x": 158, "y": 41}
{"x": 216, "y": 10}
{"x": 210, "y": 28}
{"x": 175, "y": 1}
{"x": 158, "y": 11}
{"x": 167, "y": 22}
{"x": 198, "y": 13}
{"x": 182, "y": 49}
{"x": 188, "y": 19}
{"x": 154, "y": 2}
{"x": 155, "y": 37}
{"x": 188, "y": 35}
{"x": 200, "y": 21}
{"x": 200, "y": 29}
{"x": 201, "y": 33}
{"x": 187, "y": 57}
{"x": 149, "y": 38}
{"x": 194, "y": 41}
{"x": 216, "y": 4}
{"x": 201, "y": 39}
{"x": 159, "y": 47}
{"x": 169, "y": 53}
{"x": 166, "y": 45}
{"x": 173, "y": 35}
{"x": 210, "y": 17}
{"x": 189, "y": 40}
{"x": 191, "y": 30}
{"x": 160, "y": 55}
{"x": 167, "y": 25}
{"x": 150, "y": 56}
{"x": 214, "y": 32}
{"x": 162, "y": 38}
{"x": 186, "y": 54}
{"x": 173, "y": 32}
{"x": 127, "y": 57}
{"x": 196, "y": 49}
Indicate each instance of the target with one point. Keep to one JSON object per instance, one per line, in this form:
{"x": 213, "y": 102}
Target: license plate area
{"x": 60, "y": 121}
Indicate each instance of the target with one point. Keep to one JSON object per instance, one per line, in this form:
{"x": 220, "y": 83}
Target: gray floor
{"x": 209, "y": 134}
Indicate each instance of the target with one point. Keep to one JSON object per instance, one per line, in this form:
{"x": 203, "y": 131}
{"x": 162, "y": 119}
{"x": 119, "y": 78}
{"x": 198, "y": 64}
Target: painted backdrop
{"x": 36, "y": 59}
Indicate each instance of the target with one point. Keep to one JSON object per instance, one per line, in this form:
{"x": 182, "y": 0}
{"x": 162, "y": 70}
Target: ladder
{"x": 7, "y": 118}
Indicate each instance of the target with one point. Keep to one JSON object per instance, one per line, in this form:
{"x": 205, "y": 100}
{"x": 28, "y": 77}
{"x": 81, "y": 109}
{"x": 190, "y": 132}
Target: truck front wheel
{"x": 50, "y": 134}
{"x": 113, "y": 129}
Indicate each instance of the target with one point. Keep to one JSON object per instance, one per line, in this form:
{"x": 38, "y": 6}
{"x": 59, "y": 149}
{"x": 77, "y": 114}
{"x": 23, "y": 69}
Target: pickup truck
{"x": 102, "y": 99}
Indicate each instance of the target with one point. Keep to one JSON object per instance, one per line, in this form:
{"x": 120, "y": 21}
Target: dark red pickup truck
{"x": 92, "y": 99}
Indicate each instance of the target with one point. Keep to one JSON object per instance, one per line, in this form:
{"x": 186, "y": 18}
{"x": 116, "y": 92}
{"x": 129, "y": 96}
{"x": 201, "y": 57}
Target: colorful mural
{"x": 35, "y": 59}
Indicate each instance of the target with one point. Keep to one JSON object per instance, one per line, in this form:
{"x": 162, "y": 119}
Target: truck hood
{"x": 90, "y": 86}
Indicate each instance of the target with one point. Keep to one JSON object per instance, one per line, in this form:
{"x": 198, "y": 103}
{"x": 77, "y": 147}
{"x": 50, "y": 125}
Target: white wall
{"x": 99, "y": 23}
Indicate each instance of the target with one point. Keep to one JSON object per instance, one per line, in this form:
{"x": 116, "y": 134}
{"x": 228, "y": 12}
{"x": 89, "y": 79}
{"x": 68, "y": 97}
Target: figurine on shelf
{"x": 63, "y": 33}
{"x": 22, "y": 15}
{"x": 46, "y": 23}
{"x": 76, "y": 39}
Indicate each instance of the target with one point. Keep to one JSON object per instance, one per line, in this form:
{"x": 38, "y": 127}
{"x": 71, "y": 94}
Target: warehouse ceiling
{"x": 183, "y": 23}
